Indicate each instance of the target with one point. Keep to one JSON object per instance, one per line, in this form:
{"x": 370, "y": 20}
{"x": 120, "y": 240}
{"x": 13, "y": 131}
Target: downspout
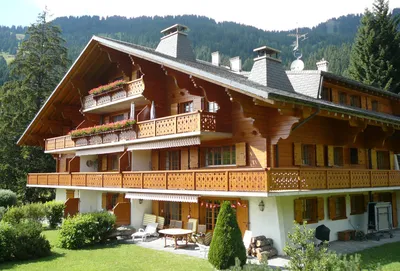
{"x": 321, "y": 80}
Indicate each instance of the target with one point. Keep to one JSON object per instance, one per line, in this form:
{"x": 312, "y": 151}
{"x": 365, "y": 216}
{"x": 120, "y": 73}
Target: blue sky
{"x": 264, "y": 14}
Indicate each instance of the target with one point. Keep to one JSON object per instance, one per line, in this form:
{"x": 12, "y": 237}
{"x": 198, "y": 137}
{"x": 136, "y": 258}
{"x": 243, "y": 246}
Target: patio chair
{"x": 178, "y": 224}
{"x": 202, "y": 228}
{"x": 172, "y": 224}
{"x": 204, "y": 243}
{"x": 194, "y": 224}
{"x": 150, "y": 230}
{"x": 160, "y": 220}
{"x": 148, "y": 218}
{"x": 247, "y": 239}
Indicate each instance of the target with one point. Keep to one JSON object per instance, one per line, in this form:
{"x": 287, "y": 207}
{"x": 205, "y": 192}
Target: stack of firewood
{"x": 262, "y": 248}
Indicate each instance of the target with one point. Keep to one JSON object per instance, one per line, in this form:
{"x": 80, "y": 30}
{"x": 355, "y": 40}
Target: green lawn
{"x": 388, "y": 256}
{"x": 109, "y": 257}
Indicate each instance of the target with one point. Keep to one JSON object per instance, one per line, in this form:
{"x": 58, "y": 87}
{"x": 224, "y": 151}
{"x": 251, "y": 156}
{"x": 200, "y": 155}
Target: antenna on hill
{"x": 298, "y": 64}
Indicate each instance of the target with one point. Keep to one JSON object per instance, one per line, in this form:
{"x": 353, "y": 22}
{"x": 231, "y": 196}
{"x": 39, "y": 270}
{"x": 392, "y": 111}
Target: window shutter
{"x": 104, "y": 200}
{"x": 394, "y": 210}
{"x": 297, "y": 154}
{"x": 366, "y": 201}
{"x": 174, "y": 109}
{"x": 363, "y": 102}
{"x": 104, "y": 163}
{"x": 154, "y": 160}
{"x": 331, "y": 159}
{"x": 361, "y": 156}
{"x": 332, "y": 207}
{"x": 184, "y": 159}
{"x": 335, "y": 96}
{"x": 321, "y": 209}
{"x": 391, "y": 160}
{"x": 155, "y": 207}
{"x": 194, "y": 157}
{"x": 241, "y": 154}
{"x": 298, "y": 210}
{"x": 320, "y": 155}
{"x": 374, "y": 163}
{"x": 375, "y": 197}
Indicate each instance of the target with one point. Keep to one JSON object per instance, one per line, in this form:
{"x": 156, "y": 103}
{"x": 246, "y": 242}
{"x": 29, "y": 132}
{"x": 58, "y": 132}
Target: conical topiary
{"x": 227, "y": 243}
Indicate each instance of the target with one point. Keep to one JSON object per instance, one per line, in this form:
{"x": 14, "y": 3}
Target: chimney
{"x": 215, "y": 58}
{"x": 236, "y": 64}
{"x": 268, "y": 70}
{"x": 323, "y": 65}
{"x": 175, "y": 43}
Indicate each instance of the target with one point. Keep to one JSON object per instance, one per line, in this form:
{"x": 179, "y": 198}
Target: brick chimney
{"x": 175, "y": 43}
{"x": 268, "y": 70}
{"x": 323, "y": 65}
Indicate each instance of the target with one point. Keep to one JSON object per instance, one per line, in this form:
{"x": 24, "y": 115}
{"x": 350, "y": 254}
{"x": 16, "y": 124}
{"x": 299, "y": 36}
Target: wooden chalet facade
{"x": 304, "y": 145}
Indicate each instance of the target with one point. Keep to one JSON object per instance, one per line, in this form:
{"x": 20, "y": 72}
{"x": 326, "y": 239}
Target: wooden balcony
{"x": 121, "y": 93}
{"x": 177, "y": 124}
{"x": 237, "y": 180}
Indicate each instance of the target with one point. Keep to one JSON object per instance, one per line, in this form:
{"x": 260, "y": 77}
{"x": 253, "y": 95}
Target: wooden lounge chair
{"x": 148, "y": 218}
{"x": 160, "y": 220}
{"x": 150, "y": 230}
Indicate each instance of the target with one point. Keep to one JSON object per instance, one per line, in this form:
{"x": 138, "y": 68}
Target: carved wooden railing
{"x": 129, "y": 89}
{"x": 182, "y": 123}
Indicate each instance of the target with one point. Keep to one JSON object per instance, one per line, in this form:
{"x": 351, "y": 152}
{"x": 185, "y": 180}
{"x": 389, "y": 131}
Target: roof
{"x": 305, "y": 82}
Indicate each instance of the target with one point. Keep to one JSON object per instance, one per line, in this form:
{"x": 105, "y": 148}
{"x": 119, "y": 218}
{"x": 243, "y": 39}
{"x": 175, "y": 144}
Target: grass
{"x": 387, "y": 256}
{"x": 109, "y": 257}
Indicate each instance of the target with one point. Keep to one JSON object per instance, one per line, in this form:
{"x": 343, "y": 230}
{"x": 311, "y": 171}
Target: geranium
{"x": 102, "y": 128}
{"x": 105, "y": 88}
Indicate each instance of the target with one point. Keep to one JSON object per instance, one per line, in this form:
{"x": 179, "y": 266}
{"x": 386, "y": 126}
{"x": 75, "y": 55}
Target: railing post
{"x": 141, "y": 180}
{"x": 85, "y": 179}
{"x": 102, "y": 180}
{"x": 122, "y": 179}
{"x": 166, "y": 180}
{"x": 351, "y": 179}
{"x": 267, "y": 177}
{"x": 299, "y": 180}
{"x": 199, "y": 128}
{"x": 227, "y": 180}
{"x": 194, "y": 180}
{"x": 326, "y": 179}
{"x": 176, "y": 124}
{"x": 370, "y": 178}
{"x": 58, "y": 179}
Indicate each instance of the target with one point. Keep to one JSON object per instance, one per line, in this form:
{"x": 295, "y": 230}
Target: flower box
{"x": 101, "y": 90}
{"x": 102, "y": 129}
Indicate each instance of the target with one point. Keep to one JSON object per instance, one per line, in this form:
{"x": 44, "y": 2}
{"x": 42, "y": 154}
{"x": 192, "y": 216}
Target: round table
{"x": 175, "y": 233}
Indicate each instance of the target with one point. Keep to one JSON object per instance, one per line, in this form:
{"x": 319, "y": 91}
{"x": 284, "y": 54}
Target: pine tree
{"x": 375, "y": 56}
{"x": 227, "y": 243}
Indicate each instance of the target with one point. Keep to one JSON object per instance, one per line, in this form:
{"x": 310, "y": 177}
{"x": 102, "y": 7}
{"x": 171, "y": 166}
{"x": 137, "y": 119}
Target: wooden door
{"x": 242, "y": 216}
{"x": 71, "y": 207}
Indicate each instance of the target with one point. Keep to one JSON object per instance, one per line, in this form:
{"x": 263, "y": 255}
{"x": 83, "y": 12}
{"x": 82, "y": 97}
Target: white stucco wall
{"x": 138, "y": 210}
{"x": 83, "y": 163}
{"x": 141, "y": 160}
{"x": 61, "y": 194}
{"x": 89, "y": 201}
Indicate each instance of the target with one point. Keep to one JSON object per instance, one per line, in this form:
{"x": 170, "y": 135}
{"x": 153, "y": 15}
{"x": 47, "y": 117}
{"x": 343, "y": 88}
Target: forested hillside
{"x": 331, "y": 40}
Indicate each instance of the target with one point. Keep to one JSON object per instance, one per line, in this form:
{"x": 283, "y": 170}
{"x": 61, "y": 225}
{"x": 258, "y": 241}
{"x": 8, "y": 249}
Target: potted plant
{"x": 106, "y": 88}
{"x": 109, "y": 127}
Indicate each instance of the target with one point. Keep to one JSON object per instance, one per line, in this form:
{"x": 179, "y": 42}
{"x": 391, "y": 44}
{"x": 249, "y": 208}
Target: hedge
{"x": 54, "y": 212}
{"x": 7, "y": 198}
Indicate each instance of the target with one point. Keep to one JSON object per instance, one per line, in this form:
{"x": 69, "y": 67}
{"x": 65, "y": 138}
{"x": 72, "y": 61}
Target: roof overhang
{"x": 163, "y": 197}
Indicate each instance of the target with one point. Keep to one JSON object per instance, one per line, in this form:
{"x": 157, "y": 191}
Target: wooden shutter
{"x": 335, "y": 96}
{"x": 104, "y": 201}
{"x": 375, "y": 197}
{"x": 242, "y": 216}
{"x": 320, "y": 155}
{"x": 394, "y": 210}
{"x": 369, "y": 104}
{"x": 241, "y": 154}
{"x": 391, "y": 159}
{"x": 155, "y": 207}
{"x": 361, "y": 156}
{"x": 174, "y": 109}
{"x": 104, "y": 165}
{"x": 70, "y": 194}
{"x": 124, "y": 161}
{"x": 74, "y": 164}
{"x": 374, "y": 162}
{"x": 363, "y": 102}
{"x": 321, "y": 208}
{"x": 184, "y": 159}
{"x": 297, "y": 154}
{"x": 154, "y": 160}
{"x": 298, "y": 210}
{"x": 366, "y": 201}
{"x": 331, "y": 156}
{"x": 332, "y": 207}
{"x": 194, "y": 157}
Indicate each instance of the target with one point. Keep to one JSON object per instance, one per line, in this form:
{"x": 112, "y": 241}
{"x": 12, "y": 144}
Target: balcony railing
{"x": 238, "y": 180}
{"x": 129, "y": 89}
{"x": 177, "y": 124}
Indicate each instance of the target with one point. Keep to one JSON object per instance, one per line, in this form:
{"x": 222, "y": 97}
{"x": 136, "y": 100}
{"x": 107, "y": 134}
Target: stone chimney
{"x": 236, "y": 64}
{"x": 175, "y": 43}
{"x": 323, "y": 65}
{"x": 268, "y": 70}
{"x": 215, "y": 58}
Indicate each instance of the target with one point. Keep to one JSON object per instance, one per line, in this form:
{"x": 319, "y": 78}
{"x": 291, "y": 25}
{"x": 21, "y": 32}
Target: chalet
{"x": 136, "y": 130}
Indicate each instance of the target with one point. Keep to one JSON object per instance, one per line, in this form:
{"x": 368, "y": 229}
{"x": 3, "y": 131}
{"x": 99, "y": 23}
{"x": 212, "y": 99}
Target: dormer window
{"x": 186, "y": 107}
{"x": 374, "y": 105}
{"x": 326, "y": 94}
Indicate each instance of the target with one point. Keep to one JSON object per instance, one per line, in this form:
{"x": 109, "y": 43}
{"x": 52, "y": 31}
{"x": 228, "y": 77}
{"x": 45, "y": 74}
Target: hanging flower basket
{"x": 105, "y": 128}
{"x": 107, "y": 88}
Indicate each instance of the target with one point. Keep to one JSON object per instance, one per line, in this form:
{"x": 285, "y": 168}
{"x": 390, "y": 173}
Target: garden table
{"x": 176, "y": 233}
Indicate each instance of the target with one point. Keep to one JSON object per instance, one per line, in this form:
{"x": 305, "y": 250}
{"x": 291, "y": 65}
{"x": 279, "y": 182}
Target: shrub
{"x": 251, "y": 267}
{"x": 54, "y": 212}
{"x": 2, "y": 212}
{"x": 227, "y": 243}
{"x": 22, "y": 241}
{"x": 14, "y": 215}
{"x": 85, "y": 229}
{"x": 34, "y": 211}
{"x": 7, "y": 198}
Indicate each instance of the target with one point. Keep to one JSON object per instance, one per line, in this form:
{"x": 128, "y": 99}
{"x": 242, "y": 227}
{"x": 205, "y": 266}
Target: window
{"x": 374, "y": 105}
{"x": 382, "y": 158}
{"x": 213, "y": 107}
{"x": 114, "y": 162}
{"x": 172, "y": 160}
{"x": 353, "y": 156}
{"x": 111, "y": 200}
{"x": 172, "y": 211}
{"x": 337, "y": 207}
{"x": 117, "y": 117}
{"x": 338, "y": 156}
{"x": 186, "y": 107}
{"x": 212, "y": 214}
{"x": 218, "y": 156}
{"x": 308, "y": 154}
{"x": 326, "y": 94}
{"x": 342, "y": 98}
{"x": 357, "y": 204}
{"x": 310, "y": 209}
{"x": 355, "y": 101}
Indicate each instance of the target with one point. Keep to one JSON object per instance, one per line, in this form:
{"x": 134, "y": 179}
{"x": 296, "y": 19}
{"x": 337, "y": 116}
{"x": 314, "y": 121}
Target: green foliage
{"x": 35, "y": 212}
{"x": 305, "y": 256}
{"x": 227, "y": 243}
{"x": 3, "y": 70}
{"x": 7, "y": 198}
{"x": 251, "y": 267}
{"x": 375, "y": 56}
{"x": 22, "y": 241}
{"x": 2, "y": 212}
{"x": 85, "y": 229}
{"x": 54, "y": 212}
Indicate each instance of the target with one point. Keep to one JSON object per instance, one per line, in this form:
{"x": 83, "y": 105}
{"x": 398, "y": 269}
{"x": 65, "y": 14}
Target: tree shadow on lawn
{"x": 380, "y": 256}
{"x": 12, "y": 264}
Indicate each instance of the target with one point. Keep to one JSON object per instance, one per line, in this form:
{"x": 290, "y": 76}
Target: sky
{"x": 263, "y": 14}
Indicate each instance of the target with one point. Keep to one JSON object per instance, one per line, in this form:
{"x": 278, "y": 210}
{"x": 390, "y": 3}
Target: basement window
{"x": 337, "y": 207}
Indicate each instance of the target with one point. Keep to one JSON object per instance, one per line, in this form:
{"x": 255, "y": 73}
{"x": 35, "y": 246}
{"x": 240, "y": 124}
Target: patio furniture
{"x": 204, "y": 250}
{"x": 202, "y": 228}
{"x": 148, "y": 218}
{"x": 175, "y": 234}
{"x": 160, "y": 220}
{"x": 150, "y": 230}
{"x": 194, "y": 222}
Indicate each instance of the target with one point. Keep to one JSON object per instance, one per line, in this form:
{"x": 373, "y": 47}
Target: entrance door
{"x": 242, "y": 216}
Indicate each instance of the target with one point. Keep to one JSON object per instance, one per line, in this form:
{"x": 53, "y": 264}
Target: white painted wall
{"x": 83, "y": 163}
{"x": 89, "y": 201}
{"x": 141, "y": 160}
{"x": 138, "y": 210}
{"x": 61, "y": 194}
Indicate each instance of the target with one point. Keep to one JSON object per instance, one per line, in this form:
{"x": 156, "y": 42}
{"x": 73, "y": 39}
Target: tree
{"x": 375, "y": 56}
{"x": 3, "y": 70}
{"x": 36, "y": 70}
{"x": 227, "y": 243}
